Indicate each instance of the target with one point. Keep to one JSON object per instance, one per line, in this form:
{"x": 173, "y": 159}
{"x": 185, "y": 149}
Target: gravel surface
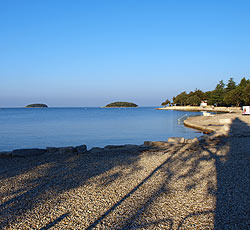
{"x": 202, "y": 185}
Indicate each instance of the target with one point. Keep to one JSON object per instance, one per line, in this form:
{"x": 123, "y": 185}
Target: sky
{"x": 93, "y": 52}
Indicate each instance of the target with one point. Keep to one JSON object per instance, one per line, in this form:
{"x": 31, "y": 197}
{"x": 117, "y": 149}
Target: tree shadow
{"x": 202, "y": 185}
{"x": 226, "y": 181}
{"x": 54, "y": 222}
{"x": 233, "y": 181}
{"x": 232, "y": 169}
{"x": 43, "y": 178}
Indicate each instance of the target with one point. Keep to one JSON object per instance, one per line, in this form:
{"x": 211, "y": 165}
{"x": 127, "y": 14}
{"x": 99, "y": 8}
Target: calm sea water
{"x": 43, "y": 127}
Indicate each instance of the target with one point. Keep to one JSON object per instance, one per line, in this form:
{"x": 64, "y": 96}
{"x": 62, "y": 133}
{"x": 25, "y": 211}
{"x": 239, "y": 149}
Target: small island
{"x": 120, "y": 104}
{"x": 36, "y": 106}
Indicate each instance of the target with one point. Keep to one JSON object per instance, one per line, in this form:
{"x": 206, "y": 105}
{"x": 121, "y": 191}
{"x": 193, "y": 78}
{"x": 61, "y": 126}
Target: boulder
{"x": 28, "y": 152}
{"x": 121, "y": 147}
{"x": 155, "y": 143}
{"x": 67, "y": 150}
{"x": 5, "y": 154}
{"x": 176, "y": 140}
{"x": 81, "y": 148}
{"x": 96, "y": 150}
{"x": 52, "y": 149}
{"x": 108, "y": 147}
{"x": 195, "y": 140}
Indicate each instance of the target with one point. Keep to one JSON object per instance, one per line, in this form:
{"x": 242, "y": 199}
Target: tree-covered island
{"x": 120, "y": 104}
{"x": 36, "y": 106}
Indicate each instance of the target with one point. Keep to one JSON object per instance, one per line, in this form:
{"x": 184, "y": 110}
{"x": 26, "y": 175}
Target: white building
{"x": 246, "y": 110}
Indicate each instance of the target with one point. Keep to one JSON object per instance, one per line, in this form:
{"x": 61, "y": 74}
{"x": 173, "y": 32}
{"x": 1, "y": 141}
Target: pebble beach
{"x": 199, "y": 184}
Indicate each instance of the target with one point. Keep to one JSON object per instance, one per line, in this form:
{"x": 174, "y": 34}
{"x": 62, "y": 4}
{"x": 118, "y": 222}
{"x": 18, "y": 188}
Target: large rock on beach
{"x": 28, "y": 152}
{"x": 156, "y": 143}
{"x": 121, "y": 147}
{"x": 66, "y": 150}
{"x": 52, "y": 149}
{"x": 81, "y": 148}
{"x": 96, "y": 150}
{"x": 176, "y": 140}
{"x": 5, "y": 154}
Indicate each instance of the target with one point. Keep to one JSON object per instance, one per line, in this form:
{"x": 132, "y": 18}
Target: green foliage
{"x": 231, "y": 85}
{"x": 223, "y": 95}
{"x": 180, "y": 99}
{"x": 234, "y": 97}
{"x": 246, "y": 94}
{"x": 121, "y": 104}
{"x": 167, "y": 102}
{"x": 193, "y": 100}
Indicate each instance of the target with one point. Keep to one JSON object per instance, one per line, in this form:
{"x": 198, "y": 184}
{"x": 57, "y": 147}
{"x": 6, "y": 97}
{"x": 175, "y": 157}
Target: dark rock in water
{"x": 28, "y": 152}
{"x": 36, "y": 106}
{"x": 81, "y": 149}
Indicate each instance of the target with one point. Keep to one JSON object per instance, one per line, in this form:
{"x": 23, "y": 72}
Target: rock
{"x": 108, "y": 147}
{"x": 176, "y": 140}
{"x": 155, "y": 143}
{"x": 81, "y": 148}
{"x": 5, "y": 154}
{"x": 52, "y": 149}
{"x": 28, "y": 152}
{"x": 194, "y": 140}
{"x": 121, "y": 147}
{"x": 96, "y": 150}
{"x": 66, "y": 150}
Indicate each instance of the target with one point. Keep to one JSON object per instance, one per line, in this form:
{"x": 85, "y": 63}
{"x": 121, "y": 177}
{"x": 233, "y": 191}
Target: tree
{"x": 231, "y": 85}
{"x": 232, "y": 94}
{"x": 220, "y": 86}
{"x": 166, "y": 102}
{"x": 194, "y": 100}
{"x": 244, "y": 82}
{"x": 216, "y": 97}
{"x": 246, "y": 94}
{"x": 180, "y": 99}
{"x": 234, "y": 97}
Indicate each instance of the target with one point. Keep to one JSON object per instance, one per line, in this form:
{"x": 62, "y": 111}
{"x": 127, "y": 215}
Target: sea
{"x": 95, "y": 127}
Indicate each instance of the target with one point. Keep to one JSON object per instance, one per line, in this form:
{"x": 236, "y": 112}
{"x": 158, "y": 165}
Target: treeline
{"x": 229, "y": 94}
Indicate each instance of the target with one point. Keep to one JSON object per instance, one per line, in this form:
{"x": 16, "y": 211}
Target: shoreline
{"x": 162, "y": 185}
{"x": 199, "y": 123}
{"x": 201, "y": 109}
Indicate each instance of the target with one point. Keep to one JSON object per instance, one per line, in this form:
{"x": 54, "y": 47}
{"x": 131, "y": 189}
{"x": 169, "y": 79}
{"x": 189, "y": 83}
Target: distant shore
{"x": 200, "y": 109}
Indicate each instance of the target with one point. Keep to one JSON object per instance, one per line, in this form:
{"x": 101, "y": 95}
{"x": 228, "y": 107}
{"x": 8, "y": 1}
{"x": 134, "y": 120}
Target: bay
{"x": 95, "y": 127}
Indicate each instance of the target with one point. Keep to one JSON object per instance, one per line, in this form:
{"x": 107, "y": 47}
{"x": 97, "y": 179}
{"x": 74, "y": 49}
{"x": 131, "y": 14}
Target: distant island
{"x": 120, "y": 104}
{"x": 36, "y": 106}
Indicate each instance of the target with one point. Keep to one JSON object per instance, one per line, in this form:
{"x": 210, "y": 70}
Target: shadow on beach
{"x": 43, "y": 178}
{"x": 203, "y": 185}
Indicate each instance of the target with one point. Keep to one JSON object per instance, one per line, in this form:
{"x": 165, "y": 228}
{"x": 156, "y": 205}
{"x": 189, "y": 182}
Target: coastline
{"x": 201, "y": 109}
{"x": 170, "y": 185}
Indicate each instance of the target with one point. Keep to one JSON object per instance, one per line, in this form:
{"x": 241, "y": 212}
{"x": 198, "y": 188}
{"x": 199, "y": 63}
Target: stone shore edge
{"x": 202, "y": 128}
{"x": 83, "y": 148}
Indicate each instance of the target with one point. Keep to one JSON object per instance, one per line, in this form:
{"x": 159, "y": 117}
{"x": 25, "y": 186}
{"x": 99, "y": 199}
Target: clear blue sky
{"x": 89, "y": 53}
